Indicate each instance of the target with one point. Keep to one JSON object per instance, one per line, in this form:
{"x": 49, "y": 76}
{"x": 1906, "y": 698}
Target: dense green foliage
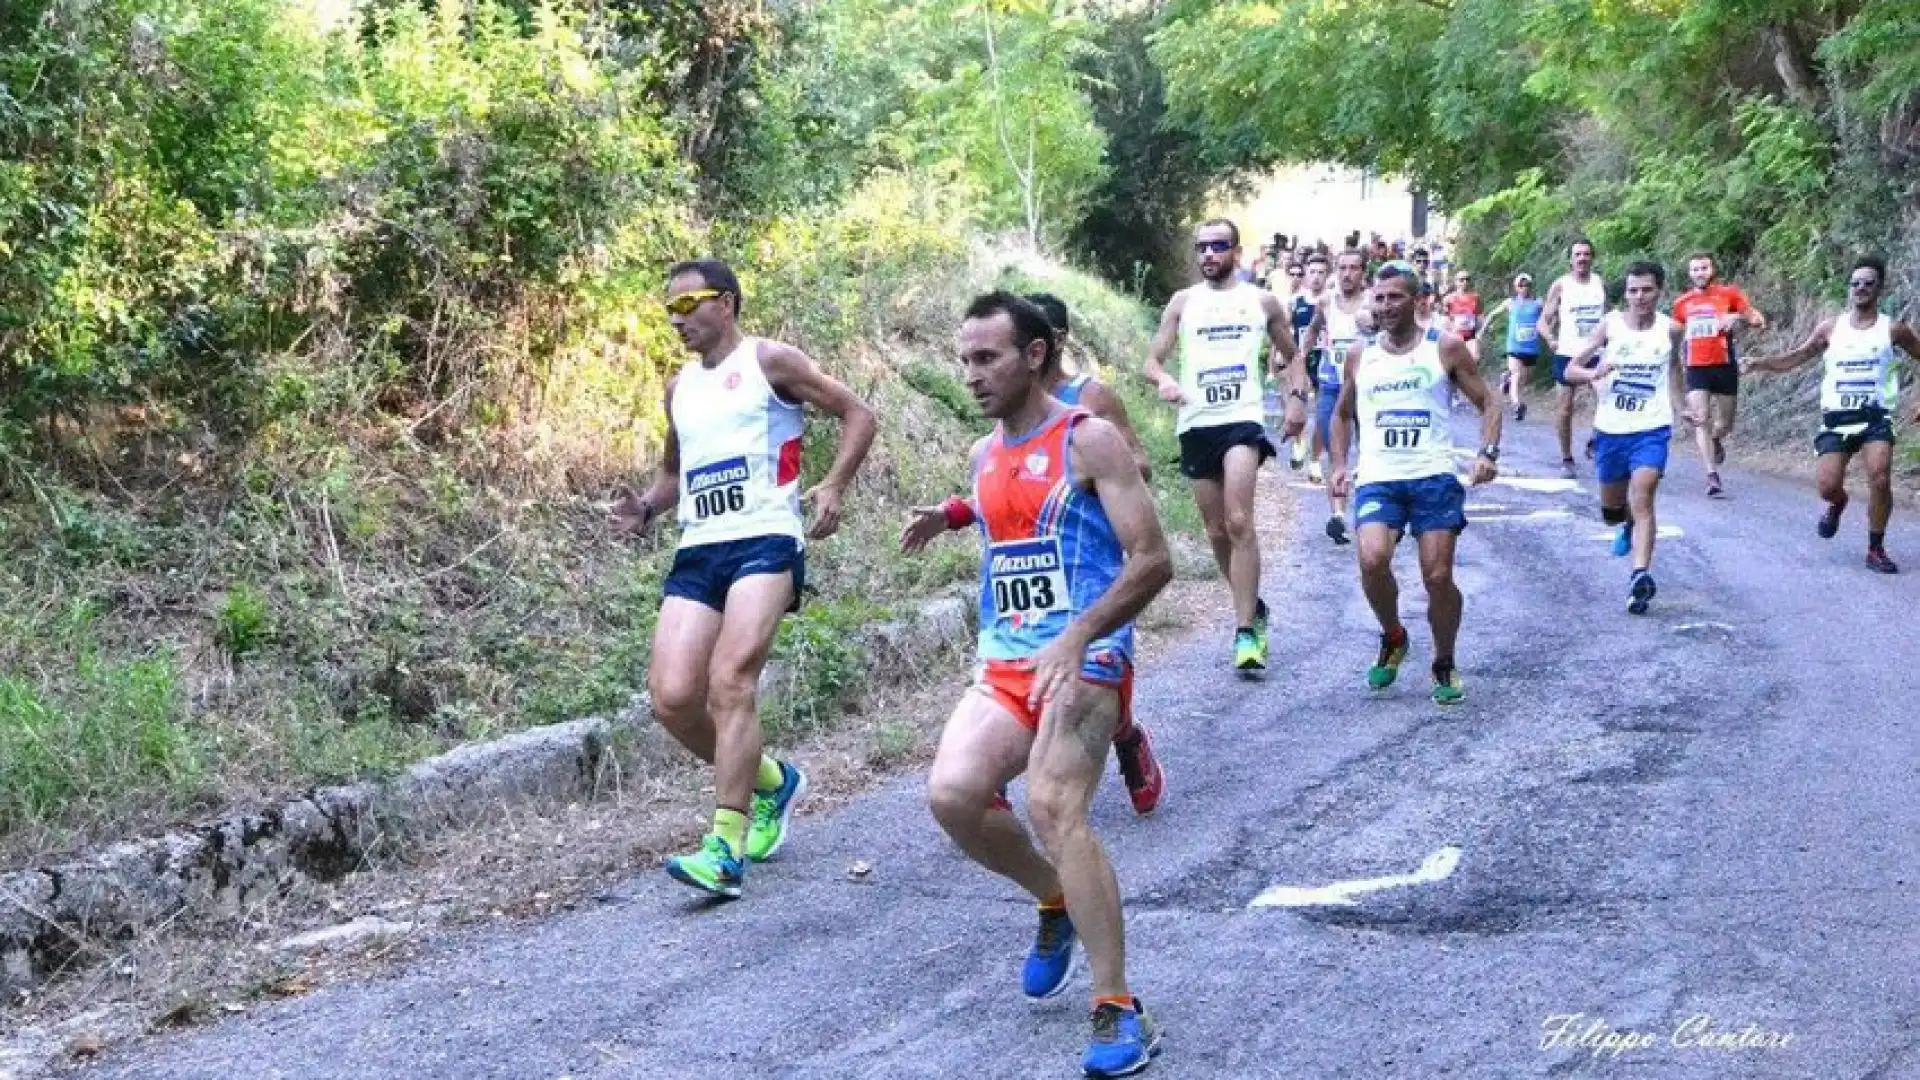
{"x": 1774, "y": 133}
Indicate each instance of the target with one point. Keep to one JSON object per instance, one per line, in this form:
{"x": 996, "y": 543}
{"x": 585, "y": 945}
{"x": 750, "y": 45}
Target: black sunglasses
{"x": 1217, "y": 247}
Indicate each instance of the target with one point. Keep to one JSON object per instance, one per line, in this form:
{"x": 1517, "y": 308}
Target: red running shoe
{"x": 1141, "y": 770}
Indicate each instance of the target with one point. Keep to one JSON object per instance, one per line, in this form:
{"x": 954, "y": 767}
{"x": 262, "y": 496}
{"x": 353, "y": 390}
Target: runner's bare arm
{"x": 1103, "y": 402}
{"x": 1317, "y": 329}
{"x": 1344, "y": 415}
{"x": 1815, "y": 344}
{"x": 638, "y": 509}
{"x": 1164, "y": 340}
{"x": 1549, "y": 324}
{"x": 927, "y": 523}
{"x": 1465, "y": 373}
{"x": 1676, "y": 368}
{"x": 1908, "y": 342}
{"x": 796, "y": 377}
{"x": 1754, "y": 318}
{"x": 1280, "y": 337}
{"x": 1101, "y": 458}
{"x": 1577, "y": 370}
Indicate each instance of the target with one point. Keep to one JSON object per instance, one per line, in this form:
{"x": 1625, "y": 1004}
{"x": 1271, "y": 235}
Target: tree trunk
{"x": 1795, "y": 66}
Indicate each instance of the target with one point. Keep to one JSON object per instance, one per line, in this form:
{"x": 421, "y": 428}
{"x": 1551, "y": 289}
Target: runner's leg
{"x": 683, "y": 643}
{"x": 1640, "y": 492}
{"x": 1241, "y": 470}
{"x": 1877, "y": 457}
{"x": 1376, "y": 574}
{"x": 982, "y": 749}
{"x": 1209, "y": 496}
{"x": 1443, "y": 596}
{"x": 1064, "y": 769}
{"x": 754, "y": 607}
{"x": 1701, "y": 404}
{"x": 1563, "y": 419}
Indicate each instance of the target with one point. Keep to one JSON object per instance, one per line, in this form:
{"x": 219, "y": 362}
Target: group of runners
{"x": 1072, "y": 545}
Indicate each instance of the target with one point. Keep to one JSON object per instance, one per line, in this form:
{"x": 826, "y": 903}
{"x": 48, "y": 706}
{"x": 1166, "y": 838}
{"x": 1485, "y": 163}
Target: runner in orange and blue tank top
{"x": 1074, "y": 552}
{"x": 1050, "y": 553}
{"x": 1132, "y": 742}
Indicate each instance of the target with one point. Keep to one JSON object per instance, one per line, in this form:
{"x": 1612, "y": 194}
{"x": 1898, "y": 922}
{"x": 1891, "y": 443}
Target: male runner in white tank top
{"x": 1397, "y": 392}
{"x": 1218, "y": 326}
{"x": 1640, "y": 391}
{"x": 1857, "y": 397}
{"x": 1341, "y": 326}
{"x": 732, "y": 465}
{"x": 1575, "y": 304}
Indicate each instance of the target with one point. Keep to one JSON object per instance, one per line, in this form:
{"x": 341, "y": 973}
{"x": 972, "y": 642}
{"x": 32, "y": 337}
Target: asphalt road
{"x": 1707, "y": 811}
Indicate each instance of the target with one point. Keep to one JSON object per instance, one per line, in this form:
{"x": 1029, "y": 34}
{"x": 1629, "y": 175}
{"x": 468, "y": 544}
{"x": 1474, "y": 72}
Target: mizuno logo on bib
{"x": 1029, "y": 580}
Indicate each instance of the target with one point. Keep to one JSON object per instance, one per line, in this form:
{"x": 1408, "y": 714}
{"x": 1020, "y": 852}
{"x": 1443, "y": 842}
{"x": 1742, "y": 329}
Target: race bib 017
{"x": 1402, "y": 429}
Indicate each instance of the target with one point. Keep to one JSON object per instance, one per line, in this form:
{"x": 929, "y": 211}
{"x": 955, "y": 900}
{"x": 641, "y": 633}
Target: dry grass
{"x": 530, "y": 863}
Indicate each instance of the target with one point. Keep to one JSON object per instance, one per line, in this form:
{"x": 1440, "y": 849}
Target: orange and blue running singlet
{"x": 1050, "y": 554}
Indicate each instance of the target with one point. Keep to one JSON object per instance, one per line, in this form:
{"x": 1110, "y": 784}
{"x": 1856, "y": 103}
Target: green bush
{"x": 243, "y": 622}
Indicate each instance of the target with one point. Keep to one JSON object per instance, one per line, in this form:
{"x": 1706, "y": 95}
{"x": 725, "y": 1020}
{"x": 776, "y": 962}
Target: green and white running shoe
{"x": 715, "y": 869}
{"x": 1448, "y": 687}
{"x": 772, "y": 810}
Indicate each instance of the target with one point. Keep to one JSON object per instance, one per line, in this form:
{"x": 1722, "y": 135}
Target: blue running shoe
{"x": 1124, "y": 1041}
{"x": 1051, "y": 962}
{"x": 772, "y": 810}
{"x": 1623, "y": 541}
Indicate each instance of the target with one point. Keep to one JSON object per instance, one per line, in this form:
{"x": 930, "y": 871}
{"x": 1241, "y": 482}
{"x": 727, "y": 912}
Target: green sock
{"x": 769, "y": 778}
{"x": 731, "y": 826}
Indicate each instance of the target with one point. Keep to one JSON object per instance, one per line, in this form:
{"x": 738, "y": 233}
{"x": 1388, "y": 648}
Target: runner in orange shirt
{"x": 1463, "y": 312}
{"x": 1708, "y": 315}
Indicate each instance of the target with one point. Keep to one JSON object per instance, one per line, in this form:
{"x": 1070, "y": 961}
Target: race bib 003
{"x": 1028, "y": 579}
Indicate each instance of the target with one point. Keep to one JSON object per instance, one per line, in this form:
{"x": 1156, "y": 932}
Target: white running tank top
{"x": 1220, "y": 335}
{"x": 1861, "y": 373}
{"x": 1403, "y": 404}
{"x": 1343, "y": 331}
{"x": 739, "y": 452}
{"x": 1636, "y": 395}
{"x": 1581, "y": 309}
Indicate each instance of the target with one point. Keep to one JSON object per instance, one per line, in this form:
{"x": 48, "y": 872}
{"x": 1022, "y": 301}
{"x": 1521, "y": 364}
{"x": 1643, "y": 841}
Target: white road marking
{"x": 1693, "y": 627}
{"x": 1436, "y": 867}
{"x": 1523, "y": 515}
{"x": 1527, "y": 483}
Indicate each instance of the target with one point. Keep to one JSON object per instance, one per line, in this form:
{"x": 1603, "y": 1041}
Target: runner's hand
{"x": 1054, "y": 669}
{"x": 1483, "y": 471}
{"x": 1751, "y": 365}
{"x": 826, "y": 505}
{"x": 631, "y": 514}
{"x": 1296, "y": 417}
{"x": 926, "y": 524}
{"x": 1170, "y": 391}
{"x": 1339, "y": 484}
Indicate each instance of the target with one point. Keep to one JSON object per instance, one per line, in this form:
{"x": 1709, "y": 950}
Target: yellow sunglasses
{"x": 689, "y": 302}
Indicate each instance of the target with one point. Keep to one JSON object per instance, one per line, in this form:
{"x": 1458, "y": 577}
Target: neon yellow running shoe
{"x": 1249, "y": 652}
{"x": 1386, "y": 667}
{"x": 714, "y": 869}
{"x": 1448, "y": 687}
{"x": 767, "y": 831}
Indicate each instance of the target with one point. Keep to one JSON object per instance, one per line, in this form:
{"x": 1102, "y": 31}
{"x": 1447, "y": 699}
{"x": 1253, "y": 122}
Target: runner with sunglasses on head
{"x": 1858, "y": 393}
{"x": 1523, "y": 339}
{"x": 1218, "y": 326}
{"x": 1462, "y": 306}
{"x": 731, "y": 465}
{"x": 1132, "y": 744}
